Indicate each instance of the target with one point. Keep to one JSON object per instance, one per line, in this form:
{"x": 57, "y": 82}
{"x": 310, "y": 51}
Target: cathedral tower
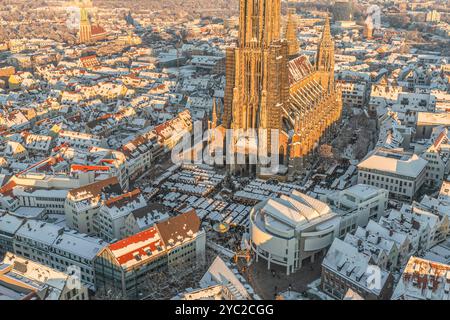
{"x": 325, "y": 58}
{"x": 85, "y": 32}
{"x": 291, "y": 33}
{"x": 270, "y": 86}
{"x": 257, "y": 84}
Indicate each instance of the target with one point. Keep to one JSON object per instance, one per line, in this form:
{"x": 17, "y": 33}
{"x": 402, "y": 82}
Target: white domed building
{"x": 289, "y": 229}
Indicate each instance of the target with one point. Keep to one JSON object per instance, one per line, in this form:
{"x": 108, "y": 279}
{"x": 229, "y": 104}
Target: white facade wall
{"x": 81, "y": 220}
{"x": 436, "y": 168}
{"x": 399, "y": 187}
{"x": 49, "y": 252}
{"x": 52, "y": 201}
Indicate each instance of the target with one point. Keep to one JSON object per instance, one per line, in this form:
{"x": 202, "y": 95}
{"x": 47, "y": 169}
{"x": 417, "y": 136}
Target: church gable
{"x": 299, "y": 68}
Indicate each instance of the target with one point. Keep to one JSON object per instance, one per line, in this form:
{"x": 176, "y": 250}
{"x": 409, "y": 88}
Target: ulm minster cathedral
{"x": 270, "y": 86}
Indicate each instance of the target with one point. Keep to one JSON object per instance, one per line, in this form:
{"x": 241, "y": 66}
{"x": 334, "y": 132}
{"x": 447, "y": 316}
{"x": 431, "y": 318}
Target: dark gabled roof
{"x": 144, "y": 211}
{"x": 184, "y": 225}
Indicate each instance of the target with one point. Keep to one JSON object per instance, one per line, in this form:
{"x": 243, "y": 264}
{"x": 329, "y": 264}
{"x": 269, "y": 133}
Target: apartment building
{"x": 437, "y": 154}
{"x": 113, "y": 160}
{"x": 410, "y": 105}
{"x": 83, "y": 204}
{"x": 55, "y": 247}
{"x": 427, "y": 121}
{"x": 401, "y": 233}
{"x": 125, "y": 265}
{"x": 220, "y": 283}
{"x": 7, "y": 199}
{"x": 24, "y": 279}
{"x": 432, "y": 226}
{"x": 383, "y": 96}
{"x": 79, "y": 139}
{"x": 344, "y": 268}
{"x": 9, "y": 225}
{"x": 172, "y": 131}
{"x": 383, "y": 251}
{"x": 140, "y": 154}
{"x": 370, "y": 202}
{"x": 143, "y": 218}
{"x": 354, "y": 95}
{"x": 423, "y": 280}
{"x": 111, "y": 218}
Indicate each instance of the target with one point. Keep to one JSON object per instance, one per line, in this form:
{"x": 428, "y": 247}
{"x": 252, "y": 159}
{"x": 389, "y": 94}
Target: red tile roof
{"x": 84, "y": 168}
{"x": 96, "y": 30}
{"x": 7, "y": 189}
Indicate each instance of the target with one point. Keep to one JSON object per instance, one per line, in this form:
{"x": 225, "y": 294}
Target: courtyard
{"x": 267, "y": 283}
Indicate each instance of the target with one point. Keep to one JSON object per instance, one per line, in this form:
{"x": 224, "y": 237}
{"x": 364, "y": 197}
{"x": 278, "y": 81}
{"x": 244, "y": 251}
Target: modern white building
{"x": 370, "y": 202}
{"x": 399, "y": 172}
{"x": 79, "y": 139}
{"x": 289, "y": 229}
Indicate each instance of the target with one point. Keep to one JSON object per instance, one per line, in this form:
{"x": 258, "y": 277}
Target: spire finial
{"x": 291, "y": 33}
{"x": 326, "y": 33}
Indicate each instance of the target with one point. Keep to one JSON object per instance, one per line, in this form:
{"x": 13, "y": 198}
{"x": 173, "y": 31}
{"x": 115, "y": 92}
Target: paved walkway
{"x": 266, "y": 284}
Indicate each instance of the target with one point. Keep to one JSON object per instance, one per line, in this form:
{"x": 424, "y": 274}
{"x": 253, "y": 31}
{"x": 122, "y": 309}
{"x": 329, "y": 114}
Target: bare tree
{"x": 326, "y": 154}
